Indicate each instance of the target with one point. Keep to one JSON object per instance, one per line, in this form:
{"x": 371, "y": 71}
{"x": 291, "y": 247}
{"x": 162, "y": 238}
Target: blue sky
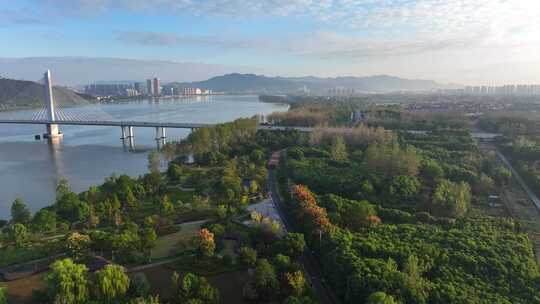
{"x": 464, "y": 41}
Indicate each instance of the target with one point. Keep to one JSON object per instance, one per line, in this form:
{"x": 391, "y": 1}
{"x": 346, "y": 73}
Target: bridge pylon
{"x": 52, "y": 128}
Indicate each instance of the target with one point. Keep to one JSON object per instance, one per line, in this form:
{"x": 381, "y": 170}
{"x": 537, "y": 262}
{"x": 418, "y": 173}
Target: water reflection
{"x": 55, "y": 154}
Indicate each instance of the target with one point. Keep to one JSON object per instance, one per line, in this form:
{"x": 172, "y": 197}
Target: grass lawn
{"x": 176, "y": 194}
{"x": 228, "y": 248}
{"x": 20, "y": 291}
{"x": 229, "y": 284}
{"x": 177, "y": 241}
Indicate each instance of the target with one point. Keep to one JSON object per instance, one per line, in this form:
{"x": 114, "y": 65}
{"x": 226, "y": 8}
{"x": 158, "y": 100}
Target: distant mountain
{"x": 251, "y": 83}
{"x": 74, "y": 71}
{"x": 22, "y": 93}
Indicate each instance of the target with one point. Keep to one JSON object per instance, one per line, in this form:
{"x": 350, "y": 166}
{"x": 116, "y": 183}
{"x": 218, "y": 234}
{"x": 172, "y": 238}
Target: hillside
{"x": 20, "y": 93}
{"x": 251, "y": 83}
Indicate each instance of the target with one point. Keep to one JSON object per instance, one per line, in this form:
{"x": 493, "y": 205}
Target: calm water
{"x": 30, "y": 169}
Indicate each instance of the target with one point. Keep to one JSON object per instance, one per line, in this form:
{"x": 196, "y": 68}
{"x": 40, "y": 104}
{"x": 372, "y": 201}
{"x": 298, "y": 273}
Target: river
{"x": 30, "y": 169}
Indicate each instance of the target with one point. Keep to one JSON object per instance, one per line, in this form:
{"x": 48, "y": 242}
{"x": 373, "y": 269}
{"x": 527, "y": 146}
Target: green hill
{"x": 21, "y": 93}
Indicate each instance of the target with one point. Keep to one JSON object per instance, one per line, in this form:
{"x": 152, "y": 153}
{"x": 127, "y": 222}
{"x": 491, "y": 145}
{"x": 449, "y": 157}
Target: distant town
{"x": 151, "y": 88}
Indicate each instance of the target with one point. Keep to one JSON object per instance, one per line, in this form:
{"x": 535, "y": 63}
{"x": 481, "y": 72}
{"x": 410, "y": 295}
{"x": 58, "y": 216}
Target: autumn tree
{"x": 77, "y": 245}
{"x": 207, "y": 245}
{"x": 296, "y": 282}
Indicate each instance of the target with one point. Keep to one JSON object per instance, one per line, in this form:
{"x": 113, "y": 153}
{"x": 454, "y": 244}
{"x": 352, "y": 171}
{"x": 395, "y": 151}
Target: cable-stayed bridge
{"x": 53, "y": 114}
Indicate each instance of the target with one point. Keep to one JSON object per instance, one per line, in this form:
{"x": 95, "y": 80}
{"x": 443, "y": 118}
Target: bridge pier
{"x": 160, "y": 133}
{"x": 127, "y": 132}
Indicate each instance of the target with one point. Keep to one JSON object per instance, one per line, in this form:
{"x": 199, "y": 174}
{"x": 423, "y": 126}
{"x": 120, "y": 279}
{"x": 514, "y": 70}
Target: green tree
{"x": 293, "y": 244}
{"x": 140, "y": 286}
{"x": 356, "y": 214}
{"x": 148, "y": 239}
{"x": 380, "y": 298}
{"x": 19, "y": 212}
{"x": 431, "y": 170}
{"x": 451, "y": 199}
{"x": 62, "y": 188}
{"x": 3, "y": 295}
{"x": 265, "y": 278}
{"x": 404, "y": 188}
{"x": 195, "y": 289}
{"x": 67, "y": 282}
{"x": 112, "y": 283}
{"x": 174, "y": 172}
{"x": 166, "y": 207}
{"x": 248, "y": 256}
{"x": 18, "y": 234}
{"x": 338, "y": 149}
{"x": 44, "y": 221}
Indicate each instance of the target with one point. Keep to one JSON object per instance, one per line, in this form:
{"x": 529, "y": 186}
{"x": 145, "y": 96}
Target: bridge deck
{"x": 110, "y": 123}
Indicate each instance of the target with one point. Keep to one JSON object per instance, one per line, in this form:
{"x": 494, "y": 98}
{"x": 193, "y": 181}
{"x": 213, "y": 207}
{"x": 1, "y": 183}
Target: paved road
{"x": 520, "y": 180}
{"x": 324, "y": 292}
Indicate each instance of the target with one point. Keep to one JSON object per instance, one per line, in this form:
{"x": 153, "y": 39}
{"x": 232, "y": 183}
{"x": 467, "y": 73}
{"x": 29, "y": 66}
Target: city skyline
{"x": 487, "y": 42}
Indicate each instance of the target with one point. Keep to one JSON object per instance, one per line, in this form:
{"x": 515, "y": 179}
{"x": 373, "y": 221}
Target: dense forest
{"x": 399, "y": 220}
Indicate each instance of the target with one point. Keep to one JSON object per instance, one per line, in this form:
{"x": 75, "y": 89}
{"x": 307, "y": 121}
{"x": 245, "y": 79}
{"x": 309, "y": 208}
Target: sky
{"x": 453, "y": 41}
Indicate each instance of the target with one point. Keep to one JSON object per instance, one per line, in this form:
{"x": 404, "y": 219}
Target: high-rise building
{"x": 149, "y": 87}
{"x": 157, "y": 87}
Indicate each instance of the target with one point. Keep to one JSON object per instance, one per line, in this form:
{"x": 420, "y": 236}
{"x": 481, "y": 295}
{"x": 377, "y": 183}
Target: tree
{"x": 207, "y": 245}
{"x": 195, "y": 289}
{"x": 112, "y": 283}
{"x": 166, "y": 207}
{"x": 19, "y": 212}
{"x": 293, "y": 244}
{"x": 451, "y": 199}
{"x": 3, "y": 295}
{"x": 404, "y": 188}
{"x": 62, "y": 188}
{"x": 67, "y": 282}
{"x": 248, "y": 256}
{"x": 431, "y": 170}
{"x": 154, "y": 162}
{"x": 380, "y": 298}
{"x": 77, "y": 245}
{"x": 140, "y": 286}
{"x": 70, "y": 207}
{"x": 44, "y": 221}
{"x": 338, "y": 150}
{"x": 221, "y": 211}
{"x": 149, "y": 300}
{"x": 356, "y": 215}
{"x": 18, "y": 234}
{"x": 297, "y": 282}
{"x": 148, "y": 240}
{"x": 265, "y": 278}
{"x": 174, "y": 172}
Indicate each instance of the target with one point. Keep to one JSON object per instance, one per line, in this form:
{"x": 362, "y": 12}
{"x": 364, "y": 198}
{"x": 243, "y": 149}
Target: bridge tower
{"x": 52, "y": 128}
